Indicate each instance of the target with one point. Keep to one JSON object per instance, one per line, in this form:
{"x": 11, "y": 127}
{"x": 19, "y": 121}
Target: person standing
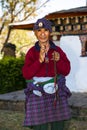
{"x": 45, "y": 68}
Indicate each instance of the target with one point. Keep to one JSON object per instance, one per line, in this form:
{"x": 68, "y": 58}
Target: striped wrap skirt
{"x": 41, "y": 109}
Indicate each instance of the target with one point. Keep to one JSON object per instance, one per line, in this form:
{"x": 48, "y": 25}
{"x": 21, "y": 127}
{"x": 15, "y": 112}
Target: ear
{"x": 35, "y": 32}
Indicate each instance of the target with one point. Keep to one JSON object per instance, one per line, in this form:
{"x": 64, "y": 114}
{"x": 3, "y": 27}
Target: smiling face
{"x": 42, "y": 35}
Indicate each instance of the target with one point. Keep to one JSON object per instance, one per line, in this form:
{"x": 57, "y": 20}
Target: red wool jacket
{"x": 32, "y": 67}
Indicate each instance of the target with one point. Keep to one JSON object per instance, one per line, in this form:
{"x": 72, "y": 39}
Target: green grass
{"x": 13, "y": 120}
{"x": 10, "y": 120}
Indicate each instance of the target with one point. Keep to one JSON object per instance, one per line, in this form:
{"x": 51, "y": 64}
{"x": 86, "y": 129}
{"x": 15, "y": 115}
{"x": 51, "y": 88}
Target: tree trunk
{"x": 8, "y": 35}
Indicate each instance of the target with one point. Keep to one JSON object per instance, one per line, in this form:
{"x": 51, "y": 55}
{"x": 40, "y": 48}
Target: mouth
{"x": 42, "y": 37}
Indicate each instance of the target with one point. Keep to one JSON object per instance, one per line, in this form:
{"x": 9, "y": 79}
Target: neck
{"x": 44, "y": 43}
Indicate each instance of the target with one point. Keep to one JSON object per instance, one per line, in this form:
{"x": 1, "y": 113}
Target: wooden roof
{"x": 70, "y": 13}
{"x": 80, "y": 11}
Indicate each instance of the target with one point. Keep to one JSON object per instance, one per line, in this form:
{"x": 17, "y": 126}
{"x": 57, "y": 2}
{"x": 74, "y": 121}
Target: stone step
{"x": 15, "y": 101}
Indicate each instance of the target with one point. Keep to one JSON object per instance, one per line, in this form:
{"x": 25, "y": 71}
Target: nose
{"x": 42, "y": 32}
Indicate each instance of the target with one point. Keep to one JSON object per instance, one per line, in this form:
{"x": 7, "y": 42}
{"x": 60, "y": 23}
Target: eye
{"x": 46, "y": 29}
{"x": 39, "y": 30}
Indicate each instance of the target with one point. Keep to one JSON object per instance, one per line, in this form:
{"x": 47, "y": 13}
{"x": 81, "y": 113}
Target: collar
{"x": 52, "y": 45}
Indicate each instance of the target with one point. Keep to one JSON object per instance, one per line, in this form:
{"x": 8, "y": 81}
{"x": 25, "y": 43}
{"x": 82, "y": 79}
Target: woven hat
{"x": 43, "y": 23}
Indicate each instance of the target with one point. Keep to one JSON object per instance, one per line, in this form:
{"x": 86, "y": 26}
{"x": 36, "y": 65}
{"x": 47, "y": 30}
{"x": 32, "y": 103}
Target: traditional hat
{"x": 43, "y": 23}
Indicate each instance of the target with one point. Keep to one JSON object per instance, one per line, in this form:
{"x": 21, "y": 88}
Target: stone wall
{"x": 78, "y": 103}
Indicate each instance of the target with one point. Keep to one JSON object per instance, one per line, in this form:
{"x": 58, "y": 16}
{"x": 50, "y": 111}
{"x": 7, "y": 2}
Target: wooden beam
{"x": 23, "y": 26}
{"x": 64, "y": 15}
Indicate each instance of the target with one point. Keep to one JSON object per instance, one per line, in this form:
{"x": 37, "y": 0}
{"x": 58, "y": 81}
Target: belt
{"x": 42, "y": 83}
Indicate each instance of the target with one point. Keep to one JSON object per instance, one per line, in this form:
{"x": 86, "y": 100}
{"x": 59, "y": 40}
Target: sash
{"x": 48, "y": 85}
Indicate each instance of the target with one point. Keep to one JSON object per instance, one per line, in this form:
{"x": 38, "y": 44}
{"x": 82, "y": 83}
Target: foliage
{"x": 23, "y": 39}
{"x": 14, "y": 11}
{"x": 11, "y": 78}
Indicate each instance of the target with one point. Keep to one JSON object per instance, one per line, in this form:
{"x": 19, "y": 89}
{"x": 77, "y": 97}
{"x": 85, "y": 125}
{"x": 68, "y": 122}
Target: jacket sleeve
{"x": 31, "y": 65}
{"x": 63, "y": 65}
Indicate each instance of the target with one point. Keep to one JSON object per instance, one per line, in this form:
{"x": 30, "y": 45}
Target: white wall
{"x": 77, "y": 79}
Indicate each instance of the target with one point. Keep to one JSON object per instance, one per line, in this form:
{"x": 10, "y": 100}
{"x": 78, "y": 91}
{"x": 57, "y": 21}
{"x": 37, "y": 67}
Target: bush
{"x": 11, "y": 78}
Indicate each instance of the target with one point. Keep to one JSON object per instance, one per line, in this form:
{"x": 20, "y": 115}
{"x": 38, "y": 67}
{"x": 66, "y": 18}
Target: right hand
{"x": 42, "y": 53}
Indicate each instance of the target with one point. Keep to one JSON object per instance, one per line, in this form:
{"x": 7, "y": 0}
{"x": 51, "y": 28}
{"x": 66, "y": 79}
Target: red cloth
{"x": 32, "y": 67}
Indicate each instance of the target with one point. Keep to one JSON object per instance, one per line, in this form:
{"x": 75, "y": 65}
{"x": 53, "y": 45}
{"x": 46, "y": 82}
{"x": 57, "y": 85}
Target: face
{"x": 42, "y": 35}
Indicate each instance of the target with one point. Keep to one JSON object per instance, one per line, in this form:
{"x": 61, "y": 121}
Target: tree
{"x": 15, "y": 11}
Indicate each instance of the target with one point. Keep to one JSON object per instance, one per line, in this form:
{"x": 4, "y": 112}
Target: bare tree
{"x": 16, "y": 11}
{"x": 13, "y": 11}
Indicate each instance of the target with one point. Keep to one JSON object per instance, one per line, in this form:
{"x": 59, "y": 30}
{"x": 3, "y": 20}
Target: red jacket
{"x": 32, "y": 67}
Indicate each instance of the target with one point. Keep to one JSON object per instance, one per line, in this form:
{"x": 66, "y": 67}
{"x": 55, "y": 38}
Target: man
{"x": 45, "y": 68}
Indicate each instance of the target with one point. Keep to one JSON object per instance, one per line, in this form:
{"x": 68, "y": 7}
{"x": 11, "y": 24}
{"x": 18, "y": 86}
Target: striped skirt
{"x": 41, "y": 109}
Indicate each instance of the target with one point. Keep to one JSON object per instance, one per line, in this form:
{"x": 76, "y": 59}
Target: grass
{"x": 13, "y": 120}
{"x": 10, "y": 120}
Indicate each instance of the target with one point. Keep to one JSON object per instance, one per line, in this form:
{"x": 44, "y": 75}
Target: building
{"x": 65, "y": 22}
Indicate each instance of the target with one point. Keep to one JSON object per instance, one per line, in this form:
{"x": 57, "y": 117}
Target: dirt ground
{"x": 13, "y": 120}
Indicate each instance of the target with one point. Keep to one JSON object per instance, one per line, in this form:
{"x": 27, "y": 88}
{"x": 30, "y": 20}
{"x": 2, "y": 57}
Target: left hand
{"x": 55, "y": 56}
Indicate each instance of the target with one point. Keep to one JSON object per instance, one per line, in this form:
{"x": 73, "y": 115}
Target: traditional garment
{"x": 32, "y": 66}
{"x": 41, "y": 109}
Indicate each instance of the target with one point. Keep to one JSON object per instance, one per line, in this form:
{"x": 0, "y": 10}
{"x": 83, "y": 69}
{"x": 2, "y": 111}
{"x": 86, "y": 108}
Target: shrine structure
{"x": 65, "y": 22}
